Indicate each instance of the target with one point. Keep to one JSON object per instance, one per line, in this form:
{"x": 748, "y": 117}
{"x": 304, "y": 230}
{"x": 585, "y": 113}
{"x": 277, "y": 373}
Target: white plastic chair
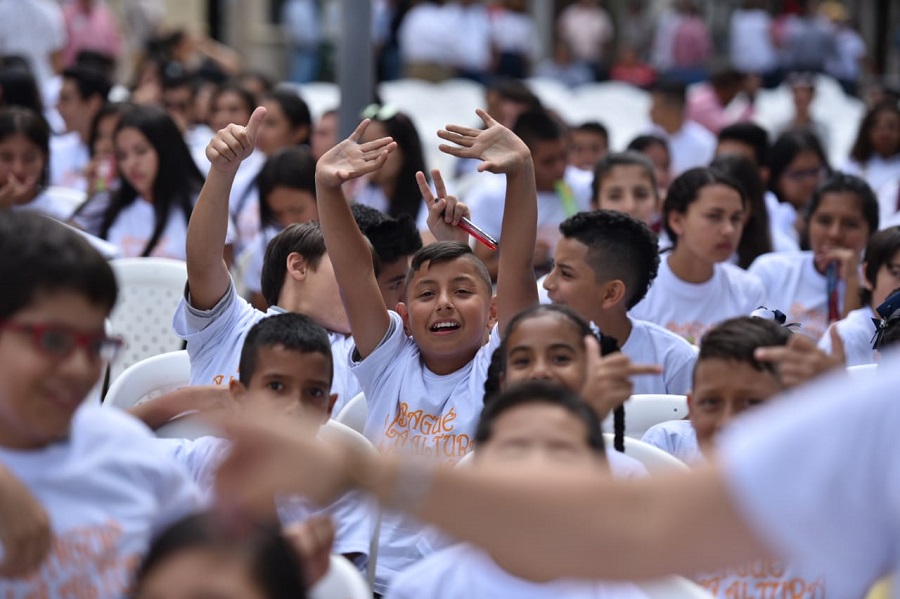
{"x": 342, "y": 581}
{"x": 149, "y": 292}
{"x": 862, "y": 371}
{"x": 354, "y": 413}
{"x": 644, "y": 411}
{"x": 655, "y": 460}
{"x": 148, "y": 379}
{"x": 673, "y": 587}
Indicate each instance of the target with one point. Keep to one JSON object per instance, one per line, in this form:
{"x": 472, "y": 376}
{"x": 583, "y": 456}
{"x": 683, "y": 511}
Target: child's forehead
{"x": 445, "y": 270}
{"x": 295, "y": 363}
{"x": 626, "y": 173}
{"x": 546, "y": 328}
{"x": 540, "y": 418}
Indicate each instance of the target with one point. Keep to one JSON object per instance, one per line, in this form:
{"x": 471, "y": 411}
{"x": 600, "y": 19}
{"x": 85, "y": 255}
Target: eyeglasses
{"x": 59, "y": 342}
{"x": 808, "y": 173}
{"x": 377, "y": 112}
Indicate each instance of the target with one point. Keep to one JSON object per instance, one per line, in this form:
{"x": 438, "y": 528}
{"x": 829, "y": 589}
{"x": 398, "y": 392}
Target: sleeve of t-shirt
{"x": 373, "y": 366}
{"x": 816, "y": 475}
{"x": 679, "y": 376}
{"x": 201, "y": 327}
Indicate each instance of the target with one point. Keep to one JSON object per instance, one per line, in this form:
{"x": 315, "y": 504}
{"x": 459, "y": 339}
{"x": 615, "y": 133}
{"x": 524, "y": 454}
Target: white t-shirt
{"x": 465, "y": 571}
{"x": 423, "y": 35}
{"x": 215, "y": 339}
{"x": 689, "y": 309}
{"x": 750, "y": 35}
{"x": 411, "y": 409}
{"x": 856, "y": 333}
{"x": 108, "y": 489}
{"x": 586, "y": 29}
{"x": 692, "y": 145}
{"x": 877, "y": 171}
{"x": 48, "y": 205}
{"x": 514, "y": 32}
{"x": 677, "y": 438}
{"x": 374, "y": 197}
{"x": 351, "y": 513}
{"x": 794, "y": 286}
{"x": 816, "y": 476}
{"x": 651, "y": 344}
{"x": 888, "y": 203}
{"x": 471, "y": 51}
{"x": 69, "y": 156}
{"x": 486, "y": 202}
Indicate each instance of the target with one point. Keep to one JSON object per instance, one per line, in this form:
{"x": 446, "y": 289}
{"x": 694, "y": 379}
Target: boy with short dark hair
{"x": 286, "y": 367}
{"x": 423, "y": 367}
{"x": 588, "y": 143}
{"x": 529, "y": 425}
{"x": 605, "y": 263}
{"x": 99, "y": 474}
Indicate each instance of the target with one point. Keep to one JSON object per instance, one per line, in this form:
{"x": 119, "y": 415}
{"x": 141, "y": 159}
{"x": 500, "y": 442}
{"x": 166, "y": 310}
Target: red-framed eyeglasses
{"x": 59, "y": 342}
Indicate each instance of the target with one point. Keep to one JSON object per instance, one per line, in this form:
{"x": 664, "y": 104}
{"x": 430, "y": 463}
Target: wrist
{"x": 327, "y": 182}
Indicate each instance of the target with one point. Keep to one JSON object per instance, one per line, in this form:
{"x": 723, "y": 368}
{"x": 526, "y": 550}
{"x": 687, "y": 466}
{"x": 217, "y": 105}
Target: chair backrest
{"x": 673, "y": 587}
{"x": 148, "y": 379}
{"x": 644, "y": 411}
{"x": 655, "y": 460}
{"x": 149, "y": 292}
{"x": 342, "y": 581}
{"x": 354, "y": 413}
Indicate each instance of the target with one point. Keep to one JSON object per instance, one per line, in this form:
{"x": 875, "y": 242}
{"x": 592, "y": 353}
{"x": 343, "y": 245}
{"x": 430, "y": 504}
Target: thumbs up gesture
{"x": 234, "y": 143}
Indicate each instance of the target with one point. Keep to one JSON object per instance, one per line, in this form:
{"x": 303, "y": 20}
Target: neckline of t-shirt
{"x": 680, "y": 284}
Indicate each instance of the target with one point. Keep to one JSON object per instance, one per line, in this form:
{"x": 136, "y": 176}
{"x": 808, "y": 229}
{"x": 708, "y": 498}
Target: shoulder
{"x": 737, "y": 276}
{"x": 778, "y": 261}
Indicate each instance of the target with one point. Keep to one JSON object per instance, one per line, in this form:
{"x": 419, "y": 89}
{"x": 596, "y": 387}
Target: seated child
{"x": 626, "y": 181}
{"x": 286, "y": 366}
{"x": 199, "y": 557}
{"x": 696, "y": 288}
{"x": 605, "y": 262}
{"x": 734, "y": 374}
{"x": 535, "y": 423}
{"x": 821, "y": 286}
{"x": 881, "y": 275}
{"x": 422, "y": 368}
{"x": 99, "y": 474}
{"x": 588, "y": 143}
{"x": 888, "y": 334}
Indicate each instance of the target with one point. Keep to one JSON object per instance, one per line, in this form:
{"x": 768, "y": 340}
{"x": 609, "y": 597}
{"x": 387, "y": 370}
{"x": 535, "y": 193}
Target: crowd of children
{"x": 318, "y": 275}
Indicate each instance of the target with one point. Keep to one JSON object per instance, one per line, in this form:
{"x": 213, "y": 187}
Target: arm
{"x": 503, "y": 152}
{"x": 25, "y": 534}
{"x": 208, "y": 276}
{"x": 576, "y": 526}
{"x": 203, "y": 398}
{"x": 348, "y": 249}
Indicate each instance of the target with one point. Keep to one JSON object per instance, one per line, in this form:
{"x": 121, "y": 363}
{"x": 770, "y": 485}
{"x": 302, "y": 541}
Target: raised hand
{"x": 800, "y": 360}
{"x": 444, "y": 211}
{"x": 608, "y": 383}
{"x": 14, "y": 192}
{"x": 234, "y": 143}
{"x": 351, "y": 159}
{"x": 499, "y": 149}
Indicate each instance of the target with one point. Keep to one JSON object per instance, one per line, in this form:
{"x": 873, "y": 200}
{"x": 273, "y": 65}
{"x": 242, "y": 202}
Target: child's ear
{"x": 690, "y": 402}
{"x": 864, "y": 281}
{"x": 332, "y": 399}
{"x": 404, "y": 316}
{"x": 676, "y": 222}
{"x": 297, "y": 266}
{"x": 238, "y": 390}
{"x": 613, "y": 294}
{"x": 492, "y": 312}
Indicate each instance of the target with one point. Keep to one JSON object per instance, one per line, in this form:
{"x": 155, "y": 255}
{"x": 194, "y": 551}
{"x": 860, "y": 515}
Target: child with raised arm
{"x": 297, "y": 277}
{"x": 423, "y": 367}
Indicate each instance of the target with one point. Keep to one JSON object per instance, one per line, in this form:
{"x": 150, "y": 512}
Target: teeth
{"x": 445, "y": 325}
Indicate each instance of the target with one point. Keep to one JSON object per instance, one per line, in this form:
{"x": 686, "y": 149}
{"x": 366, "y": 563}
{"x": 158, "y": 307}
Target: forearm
{"x": 207, "y": 272}
{"x": 581, "y": 527}
{"x": 516, "y": 285}
{"x": 159, "y": 411}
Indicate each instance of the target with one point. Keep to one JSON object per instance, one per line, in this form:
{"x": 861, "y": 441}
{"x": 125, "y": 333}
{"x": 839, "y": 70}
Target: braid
{"x": 619, "y": 429}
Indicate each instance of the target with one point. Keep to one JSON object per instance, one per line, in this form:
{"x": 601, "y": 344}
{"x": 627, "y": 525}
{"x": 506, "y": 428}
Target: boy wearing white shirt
{"x": 423, "y": 367}
{"x": 605, "y": 262}
{"x": 532, "y": 423}
{"x": 286, "y": 366}
{"x": 690, "y": 144}
{"x": 104, "y": 483}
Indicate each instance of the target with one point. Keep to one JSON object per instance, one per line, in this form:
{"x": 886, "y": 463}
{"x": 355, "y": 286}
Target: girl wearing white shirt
{"x": 797, "y": 164}
{"x": 24, "y": 156}
{"x": 843, "y": 213}
{"x": 148, "y": 214}
{"x": 696, "y": 288}
{"x": 881, "y": 272}
{"x": 875, "y": 155}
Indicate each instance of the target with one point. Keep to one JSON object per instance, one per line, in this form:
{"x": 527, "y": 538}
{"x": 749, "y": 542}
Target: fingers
{"x": 457, "y": 137}
{"x": 359, "y": 131}
{"x": 425, "y": 190}
{"x": 439, "y": 185}
{"x": 376, "y": 145}
{"x": 485, "y": 117}
{"x": 468, "y": 132}
{"x": 837, "y": 346}
{"x": 458, "y": 152}
{"x": 253, "y": 124}
{"x": 455, "y": 211}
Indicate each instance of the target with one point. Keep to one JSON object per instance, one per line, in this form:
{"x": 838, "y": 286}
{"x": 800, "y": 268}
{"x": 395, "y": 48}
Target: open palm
{"x": 351, "y": 159}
